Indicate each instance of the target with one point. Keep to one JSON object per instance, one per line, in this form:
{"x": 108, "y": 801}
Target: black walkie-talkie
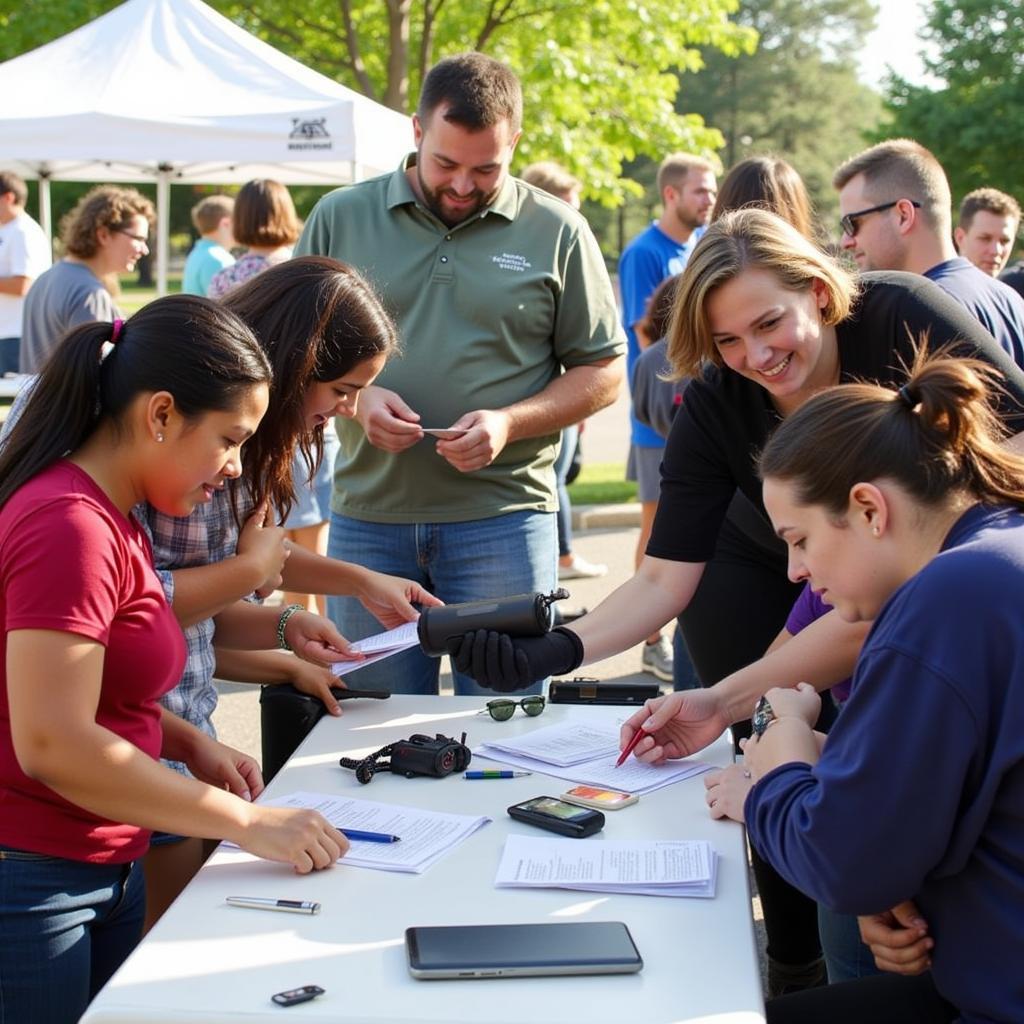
{"x": 518, "y": 616}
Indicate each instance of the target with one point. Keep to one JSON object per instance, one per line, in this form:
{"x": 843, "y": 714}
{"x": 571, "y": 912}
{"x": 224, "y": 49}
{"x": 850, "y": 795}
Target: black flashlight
{"x": 518, "y": 616}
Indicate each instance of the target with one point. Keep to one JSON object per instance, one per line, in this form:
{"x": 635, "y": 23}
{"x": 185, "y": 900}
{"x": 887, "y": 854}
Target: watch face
{"x": 762, "y": 717}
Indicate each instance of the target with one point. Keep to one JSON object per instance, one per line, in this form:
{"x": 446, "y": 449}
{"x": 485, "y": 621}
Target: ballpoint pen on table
{"x": 495, "y": 773}
{"x": 268, "y": 903}
{"x": 369, "y": 837}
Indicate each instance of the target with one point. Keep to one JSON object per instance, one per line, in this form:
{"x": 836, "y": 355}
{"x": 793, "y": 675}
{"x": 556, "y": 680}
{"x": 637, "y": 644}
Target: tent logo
{"x": 311, "y": 134}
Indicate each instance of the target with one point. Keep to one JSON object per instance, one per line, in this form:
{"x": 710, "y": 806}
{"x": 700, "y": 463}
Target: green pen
{"x": 495, "y": 773}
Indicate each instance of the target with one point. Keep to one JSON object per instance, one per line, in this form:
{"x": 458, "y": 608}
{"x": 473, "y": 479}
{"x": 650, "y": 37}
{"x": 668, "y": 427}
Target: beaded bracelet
{"x": 282, "y": 642}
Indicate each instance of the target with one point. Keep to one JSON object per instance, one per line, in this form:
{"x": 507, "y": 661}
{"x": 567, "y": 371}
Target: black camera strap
{"x": 366, "y": 768}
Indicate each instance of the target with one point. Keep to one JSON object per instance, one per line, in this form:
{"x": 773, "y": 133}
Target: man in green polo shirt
{"x": 510, "y": 333}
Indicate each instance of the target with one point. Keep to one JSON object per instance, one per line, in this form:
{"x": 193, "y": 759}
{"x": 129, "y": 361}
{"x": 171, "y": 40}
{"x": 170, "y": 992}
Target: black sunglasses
{"x": 503, "y": 710}
{"x": 849, "y": 222}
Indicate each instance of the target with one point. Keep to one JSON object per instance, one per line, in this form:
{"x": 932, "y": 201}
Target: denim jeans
{"x": 570, "y": 435}
{"x": 66, "y": 926}
{"x": 473, "y": 561}
{"x": 846, "y": 956}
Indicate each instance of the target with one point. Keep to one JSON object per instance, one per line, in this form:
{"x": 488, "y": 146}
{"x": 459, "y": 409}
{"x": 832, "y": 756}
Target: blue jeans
{"x": 846, "y": 956}
{"x": 474, "y": 561}
{"x": 66, "y": 926}
{"x": 570, "y": 435}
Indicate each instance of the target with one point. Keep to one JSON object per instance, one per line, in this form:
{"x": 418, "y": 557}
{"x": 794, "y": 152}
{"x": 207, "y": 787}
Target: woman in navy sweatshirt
{"x": 903, "y": 507}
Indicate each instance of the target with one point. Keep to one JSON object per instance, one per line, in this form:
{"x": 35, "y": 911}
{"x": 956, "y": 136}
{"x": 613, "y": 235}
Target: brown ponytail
{"x": 935, "y": 436}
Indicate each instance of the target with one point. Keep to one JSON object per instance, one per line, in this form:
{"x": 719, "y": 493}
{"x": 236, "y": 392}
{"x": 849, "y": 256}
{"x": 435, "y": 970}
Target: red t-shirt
{"x": 71, "y": 562}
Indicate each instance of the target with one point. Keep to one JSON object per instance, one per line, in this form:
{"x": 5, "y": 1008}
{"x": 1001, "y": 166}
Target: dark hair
{"x": 478, "y": 90}
{"x": 991, "y": 200}
{"x": 191, "y": 347}
{"x": 770, "y": 183}
{"x": 935, "y": 436}
{"x": 658, "y": 314}
{"x": 316, "y": 319}
{"x": 106, "y": 206}
{"x": 264, "y": 214}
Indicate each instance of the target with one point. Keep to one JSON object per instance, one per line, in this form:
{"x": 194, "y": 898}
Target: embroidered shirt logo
{"x": 512, "y": 261}
{"x": 312, "y": 134}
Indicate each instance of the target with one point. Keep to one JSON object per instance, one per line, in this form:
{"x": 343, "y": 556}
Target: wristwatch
{"x": 764, "y": 715}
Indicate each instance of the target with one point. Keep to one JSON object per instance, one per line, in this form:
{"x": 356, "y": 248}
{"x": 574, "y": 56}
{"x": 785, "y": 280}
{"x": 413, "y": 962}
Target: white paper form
{"x": 426, "y": 836}
{"x": 649, "y": 867}
{"x": 378, "y": 647}
{"x": 632, "y": 777}
{"x": 564, "y": 744}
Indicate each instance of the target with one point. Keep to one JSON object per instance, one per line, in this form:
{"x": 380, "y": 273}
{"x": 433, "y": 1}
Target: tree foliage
{"x": 594, "y": 72}
{"x": 797, "y": 96}
{"x": 974, "y": 120}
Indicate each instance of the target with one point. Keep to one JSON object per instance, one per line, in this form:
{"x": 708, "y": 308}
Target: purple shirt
{"x": 809, "y": 608}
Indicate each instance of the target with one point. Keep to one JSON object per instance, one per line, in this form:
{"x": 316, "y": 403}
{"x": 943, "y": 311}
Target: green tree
{"x": 797, "y": 96}
{"x": 973, "y": 121}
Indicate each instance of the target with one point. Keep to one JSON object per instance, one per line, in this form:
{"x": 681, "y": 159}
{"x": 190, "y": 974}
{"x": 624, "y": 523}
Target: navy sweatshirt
{"x": 919, "y": 793}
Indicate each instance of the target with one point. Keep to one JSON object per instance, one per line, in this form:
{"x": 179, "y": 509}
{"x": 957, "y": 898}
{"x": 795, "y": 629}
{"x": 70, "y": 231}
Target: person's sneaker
{"x": 580, "y": 569}
{"x": 657, "y": 659}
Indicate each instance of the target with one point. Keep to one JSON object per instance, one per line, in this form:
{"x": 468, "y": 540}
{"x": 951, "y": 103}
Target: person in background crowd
{"x": 265, "y": 222}
{"x": 24, "y": 255}
{"x": 211, "y": 217}
{"x": 557, "y": 181}
{"x": 104, "y": 235}
{"x": 895, "y": 203}
{"x": 988, "y": 229}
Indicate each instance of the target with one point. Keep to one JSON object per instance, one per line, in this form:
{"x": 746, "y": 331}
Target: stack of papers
{"x": 586, "y": 754}
{"x": 425, "y": 836}
{"x": 648, "y": 868}
{"x": 377, "y": 648}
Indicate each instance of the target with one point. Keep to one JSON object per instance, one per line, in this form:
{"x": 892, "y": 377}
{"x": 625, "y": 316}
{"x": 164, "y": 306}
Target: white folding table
{"x": 206, "y": 961}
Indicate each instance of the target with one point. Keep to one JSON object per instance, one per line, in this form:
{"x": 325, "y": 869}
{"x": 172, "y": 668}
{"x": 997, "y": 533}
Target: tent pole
{"x": 45, "y": 212}
{"x": 163, "y": 223}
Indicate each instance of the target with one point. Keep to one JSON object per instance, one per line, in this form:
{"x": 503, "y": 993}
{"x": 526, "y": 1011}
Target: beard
{"x": 433, "y": 199}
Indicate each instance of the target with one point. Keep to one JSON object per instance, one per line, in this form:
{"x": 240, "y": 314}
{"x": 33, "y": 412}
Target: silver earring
{"x": 160, "y": 438}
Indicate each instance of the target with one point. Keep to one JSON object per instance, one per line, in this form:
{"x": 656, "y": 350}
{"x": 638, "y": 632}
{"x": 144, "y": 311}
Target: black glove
{"x": 504, "y": 663}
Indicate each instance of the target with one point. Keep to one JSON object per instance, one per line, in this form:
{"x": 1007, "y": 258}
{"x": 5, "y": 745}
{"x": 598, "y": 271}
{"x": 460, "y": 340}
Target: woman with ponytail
{"x": 903, "y": 508}
{"x": 155, "y": 409}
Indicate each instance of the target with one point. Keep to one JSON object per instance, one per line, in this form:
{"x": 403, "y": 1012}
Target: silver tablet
{"x": 521, "y": 950}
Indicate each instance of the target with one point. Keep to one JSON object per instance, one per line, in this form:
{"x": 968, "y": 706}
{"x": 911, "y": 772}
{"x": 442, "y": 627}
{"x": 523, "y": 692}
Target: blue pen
{"x": 369, "y": 837}
{"x": 494, "y": 773}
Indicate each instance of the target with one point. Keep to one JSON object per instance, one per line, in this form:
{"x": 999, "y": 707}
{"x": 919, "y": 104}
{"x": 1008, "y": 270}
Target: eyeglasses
{"x": 849, "y": 222}
{"x": 503, "y": 710}
{"x": 138, "y": 239}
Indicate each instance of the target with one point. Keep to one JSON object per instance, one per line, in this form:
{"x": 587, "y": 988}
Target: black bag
{"x": 286, "y": 717}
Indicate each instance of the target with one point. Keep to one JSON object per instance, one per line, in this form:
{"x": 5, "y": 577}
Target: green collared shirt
{"x": 489, "y": 313}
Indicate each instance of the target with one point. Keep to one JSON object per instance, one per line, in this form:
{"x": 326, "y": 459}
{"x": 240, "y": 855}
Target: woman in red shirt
{"x": 156, "y": 410}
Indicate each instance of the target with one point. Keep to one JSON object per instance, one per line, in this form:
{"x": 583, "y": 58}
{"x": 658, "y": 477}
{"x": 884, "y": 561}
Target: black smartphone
{"x": 294, "y": 996}
{"x": 558, "y": 816}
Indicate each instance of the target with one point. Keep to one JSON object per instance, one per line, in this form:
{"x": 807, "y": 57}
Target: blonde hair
{"x": 105, "y": 206}
{"x": 748, "y": 239}
{"x": 551, "y": 178}
{"x": 209, "y": 212}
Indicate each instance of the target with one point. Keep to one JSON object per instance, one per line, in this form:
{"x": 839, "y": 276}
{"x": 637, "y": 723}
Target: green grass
{"x": 602, "y": 483}
{"x": 133, "y": 298}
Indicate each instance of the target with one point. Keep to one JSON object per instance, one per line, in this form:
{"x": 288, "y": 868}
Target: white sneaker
{"x": 657, "y": 659}
{"x": 580, "y": 569}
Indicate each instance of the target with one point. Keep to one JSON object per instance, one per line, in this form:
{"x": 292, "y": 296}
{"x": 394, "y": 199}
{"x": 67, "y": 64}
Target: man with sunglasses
{"x": 896, "y": 215}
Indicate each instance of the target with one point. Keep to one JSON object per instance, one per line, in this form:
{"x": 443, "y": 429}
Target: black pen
{"x": 265, "y": 903}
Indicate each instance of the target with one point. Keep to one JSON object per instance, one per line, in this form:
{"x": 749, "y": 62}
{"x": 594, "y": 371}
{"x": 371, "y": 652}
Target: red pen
{"x": 637, "y": 737}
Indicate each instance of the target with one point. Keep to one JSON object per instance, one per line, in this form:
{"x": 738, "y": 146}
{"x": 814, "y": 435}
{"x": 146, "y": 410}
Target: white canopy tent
{"x": 173, "y": 92}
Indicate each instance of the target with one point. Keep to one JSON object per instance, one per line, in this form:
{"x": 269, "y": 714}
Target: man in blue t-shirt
{"x": 895, "y": 204}
{"x": 687, "y": 188}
